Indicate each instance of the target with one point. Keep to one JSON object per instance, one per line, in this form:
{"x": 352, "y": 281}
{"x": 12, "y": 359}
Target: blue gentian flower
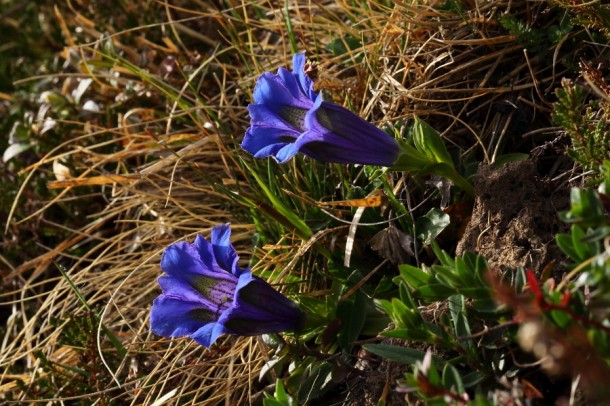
{"x": 289, "y": 116}
{"x": 206, "y": 294}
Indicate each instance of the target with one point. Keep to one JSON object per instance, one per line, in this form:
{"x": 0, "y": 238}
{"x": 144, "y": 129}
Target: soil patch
{"x": 515, "y": 217}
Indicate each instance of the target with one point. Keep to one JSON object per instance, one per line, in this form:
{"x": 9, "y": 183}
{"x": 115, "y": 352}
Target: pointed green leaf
{"x": 402, "y": 355}
{"x": 302, "y": 229}
{"x": 428, "y": 140}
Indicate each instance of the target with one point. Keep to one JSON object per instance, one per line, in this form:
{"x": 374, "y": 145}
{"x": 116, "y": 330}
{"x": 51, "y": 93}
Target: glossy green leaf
{"x": 431, "y": 225}
{"x": 428, "y": 141}
{"x": 280, "y": 397}
{"x": 560, "y": 318}
{"x": 414, "y": 277}
{"x": 586, "y": 208}
{"x": 564, "y": 242}
{"x": 434, "y": 292}
{"x": 582, "y": 249}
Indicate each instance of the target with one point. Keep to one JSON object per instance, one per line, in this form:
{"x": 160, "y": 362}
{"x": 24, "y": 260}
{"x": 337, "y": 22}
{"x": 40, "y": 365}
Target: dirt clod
{"x": 515, "y": 217}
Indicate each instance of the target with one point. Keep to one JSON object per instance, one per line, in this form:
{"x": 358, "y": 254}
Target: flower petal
{"x": 271, "y": 92}
{"x": 260, "y": 309}
{"x": 343, "y": 137}
{"x": 186, "y": 262}
{"x": 181, "y": 260}
{"x": 290, "y": 117}
{"x": 286, "y": 152}
{"x": 289, "y": 80}
{"x": 224, "y": 252}
{"x": 263, "y": 140}
{"x": 263, "y": 116}
{"x": 205, "y": 254}
{"x": 171, "y": 317}
{"x": 177, "y": 289}
{"x": 208, "y": 334}
{"x": 206, "y": 294}
{"x": 194, "y": 265}
{"x": 298, "y": 67}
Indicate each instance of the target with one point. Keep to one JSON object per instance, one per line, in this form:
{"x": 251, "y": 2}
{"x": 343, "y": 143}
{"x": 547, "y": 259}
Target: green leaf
{"x": 352, "y": 313}
{"x": 414, "y": 277}
{"x": 564, "y": 242}
{"x": 481, "y": 399}
{"x": 604, "y": 186}
{"x": 434, "y": 291}
{"x": 599, "y": 340}
{"x": 560, "y": 318}
{"x": 316, "y": 384}
{"x": 586, "y": 208}
{"x": 465, "y": 270}
{"x": 298, "y": 374}
{"x": 444, "y": 258}
{"x": 406, "y": 297}
{"x": 401, "y": 333}
{"x": 447, "y": 276}
{"x": 411, "y": 159}
{"x": 269, "y": 401}
{"x": 344, "y": 46}
{"x": 452, "y": 380}
{"x": 431, "y": 225}
{"x": 461, "y": 327}
{"x": 473, "y": 378}
{"x": 502, "y": 160}
{"x": 427, "y": 140}
{"x": 596, "y": 234}
{"x": 375, "y": 322}
{"x": 402, "y": 355}
{"x": 300, "y": 227}
{"x": 419, "y": 334}
{"x": 476, "y": 292}
{"x": 582, "y": 250}
{"x": 280, "y": 397}
{"x": 480, "y": 268}
{"x": 487, "y": 305}
{"x": 403, "y": 315}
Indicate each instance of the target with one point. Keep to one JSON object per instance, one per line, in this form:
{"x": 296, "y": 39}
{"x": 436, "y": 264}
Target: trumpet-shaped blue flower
{"x": 206, "y": 294}
{"x": 289, "y": 116}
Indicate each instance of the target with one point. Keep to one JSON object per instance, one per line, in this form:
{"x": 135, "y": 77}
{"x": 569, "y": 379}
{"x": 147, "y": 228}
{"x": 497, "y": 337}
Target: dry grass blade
{"x": 92, "y": 181}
